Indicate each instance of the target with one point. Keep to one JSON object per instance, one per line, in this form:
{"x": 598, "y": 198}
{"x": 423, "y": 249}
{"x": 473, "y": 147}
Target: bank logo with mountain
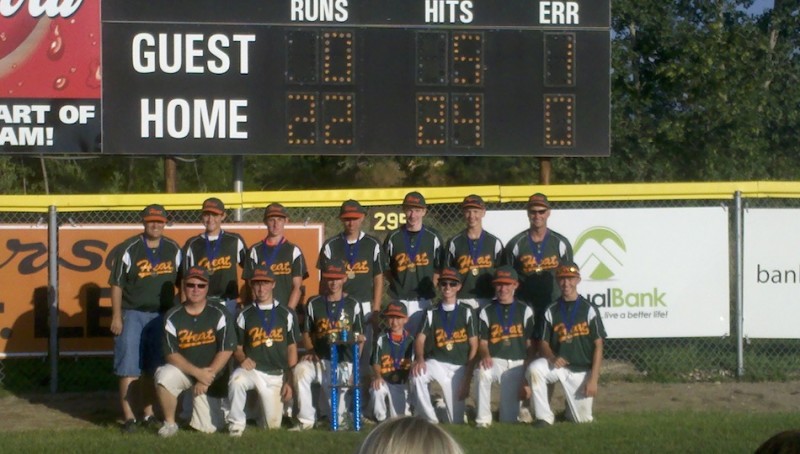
{"x": 600, "y": 253}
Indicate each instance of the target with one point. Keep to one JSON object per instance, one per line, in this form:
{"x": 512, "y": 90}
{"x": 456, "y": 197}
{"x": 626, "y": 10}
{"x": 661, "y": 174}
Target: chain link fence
{"x": 647, "y": 359}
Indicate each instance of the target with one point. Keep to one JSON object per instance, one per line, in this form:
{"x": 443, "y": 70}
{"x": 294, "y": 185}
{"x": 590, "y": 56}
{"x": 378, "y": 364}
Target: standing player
{"x": 327, "y": 316}
{"x": 535, "y": 254}
{"x": 475, "y": 253}
{"x": 414, "y": 252}
{"x": 391, "y": 362}
{"x": 363, "y": 256}
{"x": 449, "y": 332}
{"x": 199, "y": 341}
{"x": 571, "y": 352}
{"x": 506, "y": 326}
{"x": 143, "y": 275}
{"x": 218, "y": 251}
{"x": 284, "y": 258}
{"x": 267, "y": 352}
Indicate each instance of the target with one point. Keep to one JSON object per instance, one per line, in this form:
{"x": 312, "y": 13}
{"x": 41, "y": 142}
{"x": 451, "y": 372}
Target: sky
{"x": 760, "y": 5}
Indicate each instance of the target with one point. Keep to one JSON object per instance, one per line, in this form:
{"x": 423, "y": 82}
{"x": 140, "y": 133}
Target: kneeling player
{"x": 391, "y": 360}
{"x": 200, "y": 338}
{"x": 449, "y": 332}
{"x": 328, "y": 317}
{"x": 266, "y": 354}
{"x": 571, "y": 351}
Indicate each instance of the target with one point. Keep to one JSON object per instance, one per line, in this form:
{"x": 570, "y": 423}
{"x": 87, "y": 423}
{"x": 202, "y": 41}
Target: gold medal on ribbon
{"x": 448, "y": 346}
{"x": 507, "y": 342}
{"x": 412, "y": 265}
{"x": 332, "y": 337}
{"x": 351, "y": 274}
{"x": 475, "y": 271}
{"x": 538, "y": 269}
{"x": 268, "y": 342}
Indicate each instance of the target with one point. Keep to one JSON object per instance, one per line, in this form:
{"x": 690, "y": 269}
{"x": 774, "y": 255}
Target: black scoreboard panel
{"x": 376, "y": 83}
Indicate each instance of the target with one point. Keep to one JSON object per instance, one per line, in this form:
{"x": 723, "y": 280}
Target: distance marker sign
{"x": 340, "y": 77}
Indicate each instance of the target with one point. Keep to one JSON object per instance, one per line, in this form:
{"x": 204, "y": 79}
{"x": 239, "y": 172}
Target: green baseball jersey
{"x": 285, "y": 260}
{"x": 222, "y": 256}
{"x": 507, "y": 328}
{"x": 442, "y": 328}
{"x": 364, "y": 259}
{"x": 265, "y": 333}
{"x": 475, "y": 261}
{"x": 146, "y": 275}
{"x": 536, "y": 264}
{"x": 571, "y": 327}
{"x": 198, "y": 338}
{"x": 413, "y": 258}
{"x": 324, "y": 318}
{"x": 394, "y": 357}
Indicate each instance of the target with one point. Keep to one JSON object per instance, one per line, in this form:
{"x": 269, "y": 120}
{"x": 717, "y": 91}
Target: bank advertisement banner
{"x": 84, "y": 294}
{"x": 771, "y": 273}
{"x": 653, "y": 272}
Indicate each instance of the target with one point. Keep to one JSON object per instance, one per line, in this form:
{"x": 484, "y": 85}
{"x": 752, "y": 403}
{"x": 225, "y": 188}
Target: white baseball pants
{"x": 398, "y": 400}
{"x": 268, "y": 388}
{"x": 449, "y": 376}
{"x": 579, "y": 407}
{"x": 308, "y": 372}
{"x": 507, "y": 373}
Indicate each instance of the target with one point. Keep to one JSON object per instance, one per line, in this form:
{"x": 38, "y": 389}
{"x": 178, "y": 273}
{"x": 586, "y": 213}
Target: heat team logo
{"x": 600, "y": 253}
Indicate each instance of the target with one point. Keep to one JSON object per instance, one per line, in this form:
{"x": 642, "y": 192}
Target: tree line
{"x": 701, "y": 90}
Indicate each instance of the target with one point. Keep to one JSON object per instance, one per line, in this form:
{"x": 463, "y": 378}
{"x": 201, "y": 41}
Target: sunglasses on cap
{"x": 542, "y": 211}
{"x": 200, "y": 286}
{"x": 448, "y": 283}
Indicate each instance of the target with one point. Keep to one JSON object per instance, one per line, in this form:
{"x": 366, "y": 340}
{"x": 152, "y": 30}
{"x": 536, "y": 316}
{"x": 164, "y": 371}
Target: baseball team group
{"x": 465, "y": 313}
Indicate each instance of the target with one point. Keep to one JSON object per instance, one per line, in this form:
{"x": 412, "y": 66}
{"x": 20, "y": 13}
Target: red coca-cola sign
{"x": 50, "y": 49}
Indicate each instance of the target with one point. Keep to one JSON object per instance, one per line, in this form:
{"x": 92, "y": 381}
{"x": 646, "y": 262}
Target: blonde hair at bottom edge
{"x": 409, "y": 435}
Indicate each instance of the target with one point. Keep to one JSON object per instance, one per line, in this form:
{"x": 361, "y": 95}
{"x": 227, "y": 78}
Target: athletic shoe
{"x": 541, "y": 424}
{"x": 525, "y": 415}
{"x": 168, "y": 430}
{"x": 235, "y": 432}
{"x": 299, "y": 427}
{"x": 482, "y": 425}
{"x": 151, "y": 423}
{"x": 129, "y": 426}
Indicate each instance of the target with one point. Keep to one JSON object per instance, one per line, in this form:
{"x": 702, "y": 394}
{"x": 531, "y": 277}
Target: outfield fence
{"x": 74, "y": 353}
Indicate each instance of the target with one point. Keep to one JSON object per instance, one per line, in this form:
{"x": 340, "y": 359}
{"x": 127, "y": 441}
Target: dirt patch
{"x": 84, "y": 410}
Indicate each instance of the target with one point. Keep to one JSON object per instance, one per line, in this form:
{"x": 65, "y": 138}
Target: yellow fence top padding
{"x": 394, "y": 196}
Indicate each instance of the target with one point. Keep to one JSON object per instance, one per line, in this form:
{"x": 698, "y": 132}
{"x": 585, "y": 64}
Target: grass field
{"x": 683, "y": 432}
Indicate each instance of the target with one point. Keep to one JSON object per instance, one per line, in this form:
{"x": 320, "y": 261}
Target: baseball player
{"x": 328, "y": 316}
{"x": 365, "y": 261}
{"x": 220, "y": 252}
{"x": 284, "y": 258}
{"x": 475, "y": 253}
{"x": 506, "y": 326}
{"x": 535, "y": 254}
{"x": 267, "y": 333}
{"x": 414, "y": 253}
{"x": 450, "y": 335}
{"x": 391, "y": 360}
{"x": 144, "y": 270}
{"x": 571, "y": 352}
{"x": 199, "y": 340}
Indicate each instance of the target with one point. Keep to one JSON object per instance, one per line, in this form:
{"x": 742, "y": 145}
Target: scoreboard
{"x": 364, "y": 77}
